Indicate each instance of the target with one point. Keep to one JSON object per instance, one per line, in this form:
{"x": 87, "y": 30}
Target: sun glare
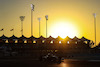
{"x": 64, "y": 29}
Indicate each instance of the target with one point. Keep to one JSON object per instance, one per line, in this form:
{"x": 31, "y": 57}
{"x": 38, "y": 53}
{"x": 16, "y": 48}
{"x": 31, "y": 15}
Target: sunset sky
{"x": 66, "y": 17}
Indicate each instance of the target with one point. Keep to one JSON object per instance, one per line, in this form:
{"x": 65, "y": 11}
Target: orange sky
{"x": 66, "y": 17}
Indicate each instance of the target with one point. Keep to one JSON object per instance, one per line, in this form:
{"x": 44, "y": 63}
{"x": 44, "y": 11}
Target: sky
{"x": 65, "y": 18}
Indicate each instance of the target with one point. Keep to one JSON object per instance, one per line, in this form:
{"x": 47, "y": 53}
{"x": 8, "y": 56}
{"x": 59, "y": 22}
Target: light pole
{"x": 94, "y": 14}
{"x": 22, "y": 19}
{"x": 46, "y": 24}
{"x": 39, "y": 26}
{"x": 32, "y": 9}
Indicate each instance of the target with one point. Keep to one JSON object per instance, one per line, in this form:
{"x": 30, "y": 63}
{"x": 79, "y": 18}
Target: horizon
{"x": 39, "y": 36}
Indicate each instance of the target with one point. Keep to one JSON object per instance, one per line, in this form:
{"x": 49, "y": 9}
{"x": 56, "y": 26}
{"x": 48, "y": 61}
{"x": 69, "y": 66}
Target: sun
{"x": 64, "y": 29}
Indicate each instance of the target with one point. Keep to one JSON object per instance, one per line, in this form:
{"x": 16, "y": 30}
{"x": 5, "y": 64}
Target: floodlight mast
{"x": 39, "y": 26}
{"x": 46, "y": 24}
{"x": 94, "y": 14}
{"x": 32, "y": 9}
{"x": 22, "y": 19}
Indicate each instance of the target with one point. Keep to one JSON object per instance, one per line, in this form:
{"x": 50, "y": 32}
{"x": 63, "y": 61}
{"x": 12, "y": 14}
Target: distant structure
{"x": 36, "y": 46}
{"x": 94, "y": 14}
{"x": 42, "y": 40}
{"x": 39, "y": 26}
{"x": 46, "y": 24}
{"x": 32, "y": 9}
{"x": 22, "y": 19}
